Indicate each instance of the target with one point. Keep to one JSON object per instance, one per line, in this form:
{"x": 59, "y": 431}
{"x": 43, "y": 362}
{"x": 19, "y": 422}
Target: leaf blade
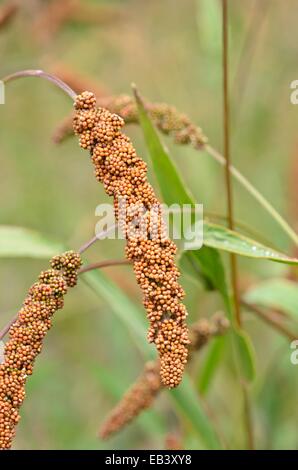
{"x": 222, "y": 238}
{"x": 211, "y": 363}
{"x": 171, "y": 185}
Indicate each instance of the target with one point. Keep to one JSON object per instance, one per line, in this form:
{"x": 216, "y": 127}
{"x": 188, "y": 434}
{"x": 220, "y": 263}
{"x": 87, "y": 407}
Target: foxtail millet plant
{"x": 124, "y": 175}
{"x": 27, "y": 333}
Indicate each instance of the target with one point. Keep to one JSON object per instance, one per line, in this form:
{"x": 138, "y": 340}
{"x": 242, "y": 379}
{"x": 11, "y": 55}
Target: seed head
{"x": 26, "y": 336}
{"x": 124, "y": 174}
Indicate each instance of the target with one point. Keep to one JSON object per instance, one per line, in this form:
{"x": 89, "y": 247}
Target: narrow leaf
{"x": 217, "y": 236}
{"x": 172, "y": 188}
{"x": 214, "y": 355}
{"x": 206, "y": 265}
{"x": 245, "y": 354}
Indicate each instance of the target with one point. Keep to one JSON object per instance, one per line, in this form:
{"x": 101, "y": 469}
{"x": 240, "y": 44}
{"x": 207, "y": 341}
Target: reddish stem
{"x": 41, "y": 74}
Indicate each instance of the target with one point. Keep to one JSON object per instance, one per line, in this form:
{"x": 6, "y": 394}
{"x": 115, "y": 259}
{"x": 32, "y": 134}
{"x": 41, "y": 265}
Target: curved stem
{"x": 103, "y": 264}
{"x": 255, "y": 193}
{"x": 98, "y": 236}
{"x": 41, "y": 74}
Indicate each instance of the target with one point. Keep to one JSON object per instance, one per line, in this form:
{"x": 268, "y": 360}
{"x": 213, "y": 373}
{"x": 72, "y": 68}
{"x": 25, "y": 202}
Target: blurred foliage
{"x": 173, "y": 55}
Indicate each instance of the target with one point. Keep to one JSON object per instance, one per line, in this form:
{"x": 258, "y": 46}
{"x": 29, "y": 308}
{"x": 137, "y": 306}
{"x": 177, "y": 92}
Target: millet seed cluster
{"x": 166, "y": 118}
{"x": 45, "y": 297}
{"x": 124, "y": 175}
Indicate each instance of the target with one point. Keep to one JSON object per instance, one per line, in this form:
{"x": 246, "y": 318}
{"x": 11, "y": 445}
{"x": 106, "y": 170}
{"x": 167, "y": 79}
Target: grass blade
{"x": 217, "y": 236}
{"x": 214, "y": 355}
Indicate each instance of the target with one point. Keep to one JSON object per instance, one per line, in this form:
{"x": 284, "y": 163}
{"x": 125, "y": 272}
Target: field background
{"x": 171, "y": 50}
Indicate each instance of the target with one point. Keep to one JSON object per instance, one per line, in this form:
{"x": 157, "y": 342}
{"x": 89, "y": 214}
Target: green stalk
{"x": 230, "y": 212}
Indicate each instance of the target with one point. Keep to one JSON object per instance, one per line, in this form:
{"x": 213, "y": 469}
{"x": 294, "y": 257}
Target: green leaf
{"x": 217, "y": 236}
{"x": 188, "y": 265}
{"x": 280, "y": 294}
{"x": 16, "y": 242}
{"x": 214, "y": 355}
{"x": 172, "y": 188}
{"x": 206, "y": 265}
{"x": 245, "y": 354}
{"x": 189, "y": 404}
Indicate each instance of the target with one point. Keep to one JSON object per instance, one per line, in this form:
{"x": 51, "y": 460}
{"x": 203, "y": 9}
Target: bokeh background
{"x": 172, "y": 51}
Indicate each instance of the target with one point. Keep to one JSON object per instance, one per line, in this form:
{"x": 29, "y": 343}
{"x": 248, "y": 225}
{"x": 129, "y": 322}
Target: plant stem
{"x": 87, "y": 245}
{"x": 234, "y": 270}
{"x": 94, "y": 239}
{"x": 226, "y": 122}
{"x": 254, "y": 192}
{"x": 41, "y": 74}
{"x": 104, "y": 264}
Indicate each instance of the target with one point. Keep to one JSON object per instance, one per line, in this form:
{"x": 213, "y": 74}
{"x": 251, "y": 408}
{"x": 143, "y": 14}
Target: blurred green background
{"x": 172, "y": 51}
